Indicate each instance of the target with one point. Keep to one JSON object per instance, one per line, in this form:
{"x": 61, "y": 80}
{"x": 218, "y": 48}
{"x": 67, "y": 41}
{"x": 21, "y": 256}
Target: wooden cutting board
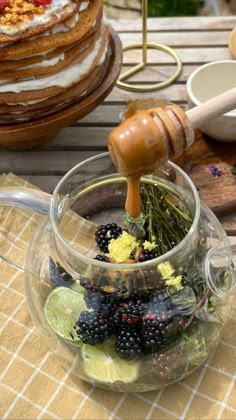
{"x": 218, "y": 192}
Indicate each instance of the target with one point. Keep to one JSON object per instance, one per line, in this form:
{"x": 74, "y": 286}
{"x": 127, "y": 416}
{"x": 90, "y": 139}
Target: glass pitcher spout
{"x": 13, "y": 250}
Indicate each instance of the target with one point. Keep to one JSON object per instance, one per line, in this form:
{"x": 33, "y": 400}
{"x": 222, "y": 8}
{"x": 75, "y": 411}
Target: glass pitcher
{"x": 133, "y": 326}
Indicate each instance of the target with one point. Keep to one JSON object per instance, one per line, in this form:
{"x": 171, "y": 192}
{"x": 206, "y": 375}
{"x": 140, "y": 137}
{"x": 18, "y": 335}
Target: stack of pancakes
{"x": 232, "y": 42}
{"x": 52, "y": 54}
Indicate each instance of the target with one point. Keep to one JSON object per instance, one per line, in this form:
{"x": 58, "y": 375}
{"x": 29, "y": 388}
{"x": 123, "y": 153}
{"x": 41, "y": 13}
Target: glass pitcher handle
{"x": 220, "y": 271}
{"x": 25, "y": 198}
{"x": 13, "y": 249}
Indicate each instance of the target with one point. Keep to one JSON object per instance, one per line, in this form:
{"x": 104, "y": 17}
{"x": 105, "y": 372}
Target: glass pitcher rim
{"x": 90, "y": 260}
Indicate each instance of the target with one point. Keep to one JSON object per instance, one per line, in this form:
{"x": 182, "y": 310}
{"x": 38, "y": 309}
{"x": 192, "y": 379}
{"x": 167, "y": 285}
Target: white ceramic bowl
{"x": 208, "y": 81}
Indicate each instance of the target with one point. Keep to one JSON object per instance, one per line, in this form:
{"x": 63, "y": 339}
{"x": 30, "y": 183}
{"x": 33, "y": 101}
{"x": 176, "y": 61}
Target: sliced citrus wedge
{"x": 62, "y": 309}
{"x": 76, "y": 287}
{"x": 102, "y": 363}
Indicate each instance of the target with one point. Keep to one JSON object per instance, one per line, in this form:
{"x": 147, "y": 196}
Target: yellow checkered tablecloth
{"x": 34, "y": 386}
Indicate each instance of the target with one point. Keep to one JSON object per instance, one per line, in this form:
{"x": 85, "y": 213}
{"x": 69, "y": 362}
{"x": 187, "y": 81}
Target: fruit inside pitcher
{"x": 136, "y": 315}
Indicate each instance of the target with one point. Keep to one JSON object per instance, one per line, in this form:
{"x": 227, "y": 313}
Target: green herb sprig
{"x": 165, "y": 222}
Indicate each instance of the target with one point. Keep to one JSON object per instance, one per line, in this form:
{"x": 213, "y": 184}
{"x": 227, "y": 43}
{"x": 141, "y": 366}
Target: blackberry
{"x": 104, "y": 305}
{"x": 129, "y": 344}
{"x": 99, "y": 282}
{"x": 132, "y": 254}
{"x": 147, "y": 255}
{"x": 105, "y": 233}
{"x": 108, "y": 307}
{"x": 131, "y": 312}
{"x": 170, "y": 365}
{"x": 102, "y": 258}
{"x": 116, "y": 322}
{"x": 141, "y": 255}
{"x": 58, "y": 275}
{"x": 92, "y": 328}
{"x": 87, "y": 283}
{"x": 93, "y": 300}
{"x": 160, "y": 327}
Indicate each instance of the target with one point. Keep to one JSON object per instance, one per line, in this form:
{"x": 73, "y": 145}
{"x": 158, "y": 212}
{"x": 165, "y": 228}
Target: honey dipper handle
{"x": 215, "y": 107}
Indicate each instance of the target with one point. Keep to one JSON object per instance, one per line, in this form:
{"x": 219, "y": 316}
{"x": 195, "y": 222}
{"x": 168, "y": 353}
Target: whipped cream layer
{"x": 71, "y": 22}
{"x": 63, "y": 79}
{"x": 46, "y": 63}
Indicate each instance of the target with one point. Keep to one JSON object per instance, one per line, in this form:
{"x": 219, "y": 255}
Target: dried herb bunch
{"x": 166, "y": 223}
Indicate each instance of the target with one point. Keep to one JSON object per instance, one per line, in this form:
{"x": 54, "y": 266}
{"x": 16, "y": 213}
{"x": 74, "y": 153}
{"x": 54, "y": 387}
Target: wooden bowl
{"x": 31, "y": 134}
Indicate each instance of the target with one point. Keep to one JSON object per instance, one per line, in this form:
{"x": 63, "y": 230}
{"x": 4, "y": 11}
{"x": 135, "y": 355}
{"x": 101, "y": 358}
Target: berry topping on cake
{"x": 3, "y": 4}
{"x": 43, "y": 2}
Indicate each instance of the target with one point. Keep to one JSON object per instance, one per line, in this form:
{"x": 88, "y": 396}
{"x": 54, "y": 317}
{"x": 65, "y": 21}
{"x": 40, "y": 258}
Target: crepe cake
{"x": 232, "y": 42}
{"x": 52, "y": 54}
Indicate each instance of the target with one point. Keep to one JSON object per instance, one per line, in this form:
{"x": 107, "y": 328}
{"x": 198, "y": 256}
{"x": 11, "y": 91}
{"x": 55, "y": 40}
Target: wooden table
{"x": 197, "y": 40}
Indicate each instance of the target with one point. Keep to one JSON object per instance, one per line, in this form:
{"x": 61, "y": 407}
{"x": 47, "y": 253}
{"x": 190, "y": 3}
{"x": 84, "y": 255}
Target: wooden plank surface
{"x": 44, "y": 162}
{"x": 170, "y": 24}
{"x": 177, "y": 38}
{"x": 187, "y": 55}
{"x": 197, "y": 41}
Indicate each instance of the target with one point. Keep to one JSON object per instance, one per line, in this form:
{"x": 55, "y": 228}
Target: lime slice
{"x": 62, "y": 309}
{"x": 103, "y": 364}
{"x": 76, "y": 287}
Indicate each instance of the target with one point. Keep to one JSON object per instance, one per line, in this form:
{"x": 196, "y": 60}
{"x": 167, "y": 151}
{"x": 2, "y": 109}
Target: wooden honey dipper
{"x": 150, "y": 137}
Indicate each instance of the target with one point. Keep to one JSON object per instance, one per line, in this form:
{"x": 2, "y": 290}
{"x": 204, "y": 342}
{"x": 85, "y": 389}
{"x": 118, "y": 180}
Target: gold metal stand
{"x": 144, "y": 46}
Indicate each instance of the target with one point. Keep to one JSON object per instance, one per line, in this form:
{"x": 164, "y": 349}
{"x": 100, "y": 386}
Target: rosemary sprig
{"x": 166, "y": 215}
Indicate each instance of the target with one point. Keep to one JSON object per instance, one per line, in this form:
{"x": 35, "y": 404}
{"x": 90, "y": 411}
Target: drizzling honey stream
{"x": 145, "y": 140}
